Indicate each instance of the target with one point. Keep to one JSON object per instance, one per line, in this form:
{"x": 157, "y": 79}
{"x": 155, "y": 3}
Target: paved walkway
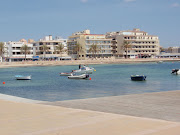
{"x": 158, "y": 105}
{"x": 37, "y": 119}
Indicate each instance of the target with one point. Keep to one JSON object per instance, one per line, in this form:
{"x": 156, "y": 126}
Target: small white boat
{"x": 84, "y": 70}
{"x": 65, "y": 74}
{"x": 82, "y": 76}
{"x": 176, "y": 71}
{"x": 160, "y": 62}
{"x": 21, "y": 77}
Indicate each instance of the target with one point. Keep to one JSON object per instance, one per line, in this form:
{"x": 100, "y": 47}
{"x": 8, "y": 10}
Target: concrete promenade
{"x": 27, "y": 117}
{"x": 37, "y": 119}
{"x": 158, "y": 105}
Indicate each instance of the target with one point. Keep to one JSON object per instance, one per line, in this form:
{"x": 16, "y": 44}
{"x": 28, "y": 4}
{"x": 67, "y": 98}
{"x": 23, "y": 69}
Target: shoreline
{"x": 77, "y": 62}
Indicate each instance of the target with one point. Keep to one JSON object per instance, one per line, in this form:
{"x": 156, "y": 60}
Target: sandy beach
{"x": 89, "y": 61}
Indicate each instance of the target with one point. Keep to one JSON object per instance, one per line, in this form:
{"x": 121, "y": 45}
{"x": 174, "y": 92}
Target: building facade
{"x": 51, "y": 52}
{"x": 142, "y": 44}
{"x": 86, "y": 40}
{"x": 14, "y": 52}
{"x": 173, "y": 50}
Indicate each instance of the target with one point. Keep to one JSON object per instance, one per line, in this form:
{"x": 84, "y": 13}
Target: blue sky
{"x": 37, "y": 18}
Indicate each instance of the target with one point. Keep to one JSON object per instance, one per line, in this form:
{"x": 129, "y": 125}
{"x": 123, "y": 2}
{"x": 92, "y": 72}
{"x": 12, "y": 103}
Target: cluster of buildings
{"x": 109, "y": 45}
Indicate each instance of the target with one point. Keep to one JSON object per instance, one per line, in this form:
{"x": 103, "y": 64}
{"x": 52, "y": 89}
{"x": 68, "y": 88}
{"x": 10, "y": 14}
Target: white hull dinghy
{"x": 21, "y": 77}
{"x": 83, "y": 76}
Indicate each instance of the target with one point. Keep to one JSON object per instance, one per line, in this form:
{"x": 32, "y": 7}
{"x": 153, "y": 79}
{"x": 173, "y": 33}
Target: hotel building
{"x": 51, "y": 43}
{"x": 142, "y": 44}
{"x": 85, "y": 40}
{"x": 14, "y": 53}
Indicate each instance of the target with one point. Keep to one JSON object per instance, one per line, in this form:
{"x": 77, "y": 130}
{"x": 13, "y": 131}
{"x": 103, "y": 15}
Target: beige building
{"x": 142, "y": 44}
{"x": 51, "y": 43}
{"x": 86, "y": 40}
{"x": 14, "y": 52}
{"x": 173, "y": 50}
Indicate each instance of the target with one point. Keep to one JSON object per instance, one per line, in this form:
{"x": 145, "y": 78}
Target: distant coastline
{"x": 89, "y": 62}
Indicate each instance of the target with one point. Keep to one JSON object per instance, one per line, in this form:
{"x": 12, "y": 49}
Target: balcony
{"x": 144, "y": 48}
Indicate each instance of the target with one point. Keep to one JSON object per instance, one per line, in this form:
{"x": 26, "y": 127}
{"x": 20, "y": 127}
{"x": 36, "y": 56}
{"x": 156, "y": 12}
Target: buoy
{"x": 94, "y": 69}
{"x": 90, "y": 78}
{"x": 4, "y": 83}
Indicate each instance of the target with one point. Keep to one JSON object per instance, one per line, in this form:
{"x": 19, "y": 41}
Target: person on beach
{"x": 79, "y": 66}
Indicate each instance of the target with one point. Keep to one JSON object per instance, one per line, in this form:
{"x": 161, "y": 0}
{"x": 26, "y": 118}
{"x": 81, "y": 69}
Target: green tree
{"x": 161, "y": 49}
{"x": 25, "y": 50}
{"x": 126, "y": 46}
{"x": 94, "y": 49}
{"x": 44, "y": 48}
{"x": 1, "y": 49}
{"x": 78, "y": 49}
{"x": 60, "y": 48}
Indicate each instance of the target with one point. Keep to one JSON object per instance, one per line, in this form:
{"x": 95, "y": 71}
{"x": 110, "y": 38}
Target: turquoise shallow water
{"x": 108, "y": 80}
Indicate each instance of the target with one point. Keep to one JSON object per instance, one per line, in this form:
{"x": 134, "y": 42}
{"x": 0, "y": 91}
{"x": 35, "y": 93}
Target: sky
{"x": 34, "y": 19}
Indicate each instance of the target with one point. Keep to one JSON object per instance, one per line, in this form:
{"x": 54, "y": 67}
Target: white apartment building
{"x": 51, "y": 44}
{"x": 85, "y": 40}
{"x": 13, "y": 51}
{"x": 142, "y": 44}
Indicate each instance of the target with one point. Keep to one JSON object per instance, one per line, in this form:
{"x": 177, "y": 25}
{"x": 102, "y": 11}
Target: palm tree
{"x": 126, "y": 46}
{"x": 25, "y": 50}
{"x": 161, "y": 49}
{"x": 60, "y": 48}
{"x": 1, "y": 50}
{"x": 78, "y": 49}
{"x": 94, "y": 49}
{"x": 44, "y": 49}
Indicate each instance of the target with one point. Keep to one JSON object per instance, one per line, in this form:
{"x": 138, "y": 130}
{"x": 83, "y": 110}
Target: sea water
{"x": 107, "y": 80}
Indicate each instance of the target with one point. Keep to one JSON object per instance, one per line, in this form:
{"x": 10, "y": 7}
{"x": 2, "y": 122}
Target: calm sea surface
{"x": 108, "y": 80}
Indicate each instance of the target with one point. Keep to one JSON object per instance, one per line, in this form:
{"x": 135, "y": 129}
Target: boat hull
{"x": 84, "y": 70}
{"x": 65, "y": 74}
{"x": 138, "y": 78}
{"x": 83, "y": 76}
{"x": 23, "y": 77}
{"x": 176, "y": 71}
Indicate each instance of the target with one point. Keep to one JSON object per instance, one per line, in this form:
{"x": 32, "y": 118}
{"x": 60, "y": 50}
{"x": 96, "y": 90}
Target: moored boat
{"x": 160, "y": 62}
{"x": 65, "y": 74}
{"x": 82, "y": 76}
{"x": 84, "y": 69}
{"x": 21, "y": 77}
{"x": 175, "y": 71}
{"x": 138, "y": 77}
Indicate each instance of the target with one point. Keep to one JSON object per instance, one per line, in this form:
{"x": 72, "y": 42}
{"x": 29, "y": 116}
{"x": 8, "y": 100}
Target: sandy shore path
{"x": 77, "y": 62}
{"x": 37, "y": 119}
{"x": 158, "y": 105}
